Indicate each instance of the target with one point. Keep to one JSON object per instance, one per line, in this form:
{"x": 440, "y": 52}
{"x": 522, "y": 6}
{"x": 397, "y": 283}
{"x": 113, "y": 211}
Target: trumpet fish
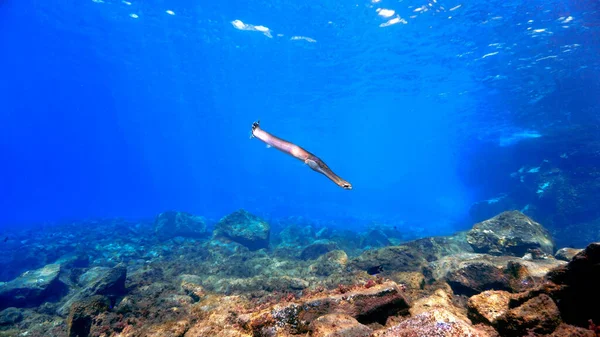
{"x": 297, "y": 152}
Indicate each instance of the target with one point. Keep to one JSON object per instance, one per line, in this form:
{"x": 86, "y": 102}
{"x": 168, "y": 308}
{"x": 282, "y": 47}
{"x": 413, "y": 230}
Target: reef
{"x": 174, "y": 276}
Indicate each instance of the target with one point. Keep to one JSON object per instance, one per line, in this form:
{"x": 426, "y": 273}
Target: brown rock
{"x": 411, "y": 279}
{"x": 539, "y": 315}
{"x": 338, "y": 325}
{"x": 367, "y": 305}
{"x": 564, "y": 330}
{"x": 81, "y": 315}
{"x": 579, "y": 293}
{"x": 488, "y": 306}
{"x": 169, "y": 329}
{"x": 437, "y": 322}
{"x": 440, "y": 299}
{"x": 191, "y": 286}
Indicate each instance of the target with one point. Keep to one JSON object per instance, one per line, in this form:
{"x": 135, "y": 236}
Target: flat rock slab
{"x": 32, "y": 287}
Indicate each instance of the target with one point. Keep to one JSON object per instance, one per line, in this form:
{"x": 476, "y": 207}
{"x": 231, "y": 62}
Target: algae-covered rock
{"x": 329, "y": 263}
{"x": 318, "y": 248}
{"x": 82, "y": 312}
{"x": 375, "y": 238}
{"x": 435, "y": 248}
{"x": 32, "y": 288}
{"x": 97, "y": 281}
{"x": 488, "y": 306}
{"x": 566, "y": 254}
{"x": 366, "y": 305}
{"x": 168, "y": 329}
{"x": 437, "y": 322}
{"x": 509, "y": 233}
{"x": 338, "y": 325}
{"x": 469, "y": 274}
{"x": 539, "y": 314}
{"x": 390, "y": 259}
{"x": 245, "y": 229}
{"x": 191, "y": 285}
{"x": 171, "y": 224}
{"x": 10, "y": 316}
{"x": 295, "y": 235}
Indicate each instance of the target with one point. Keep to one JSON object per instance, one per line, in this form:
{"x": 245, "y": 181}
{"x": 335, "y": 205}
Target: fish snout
{"x": 346, "y": 185}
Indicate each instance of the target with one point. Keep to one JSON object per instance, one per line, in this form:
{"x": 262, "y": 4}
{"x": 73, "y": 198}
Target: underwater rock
{"x": 81, "y": 315}
{"x": 245, "y": 229}
{"x": 366, "y": 305}
{"x": 469, "y": 274}
{"x": 191, "y": 286}
{"x": 97, "y": 281}
{"x": 32, "y": 288}
{"x": 539, "y": 315}
{"x": 488, "y": 306}
{"x": 566, "y": 254}
{"x": 412, "y": 280}
{"x": 434, "y": 248}
{"x": 578, "y": 292}
{"x": 509, "y": 233}
{"x": 171, "y": 224}
{"x": 375, "y": 238}
{"x": 437, "y": 322}
{"x": 294, "y": 235}
{"x": 10, "y": 316}
{"x": 318, "y": 248}
{"x": 390, "y": 259}
{"x": 256, "y": 283}
{"x": 169, "y": 329}
{"x": 338, "y": 325}
{"x": 73, "y": 260}
{"x": 329, "y": 263}
{"x": 564, "y": 330}
{"x": 440, "y": 299}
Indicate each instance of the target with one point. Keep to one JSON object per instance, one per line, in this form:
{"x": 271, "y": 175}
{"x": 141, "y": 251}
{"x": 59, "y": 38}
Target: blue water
{"x": 111, "y": 109}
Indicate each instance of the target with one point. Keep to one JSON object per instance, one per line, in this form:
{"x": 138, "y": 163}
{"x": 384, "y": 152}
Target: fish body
{"x": 314, "y": 162}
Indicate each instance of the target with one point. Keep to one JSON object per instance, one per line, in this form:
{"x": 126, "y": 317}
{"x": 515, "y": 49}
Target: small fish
{"x": 6, "y": 239}
{"x": 375, "y": 270}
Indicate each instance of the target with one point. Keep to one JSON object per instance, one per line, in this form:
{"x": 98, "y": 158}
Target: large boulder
{"x": 244, "y": 228}
{"x": 318, "y": 248}
{"x": 109, "y": 282}
{"x": 32, "y": 288}
{"x": 389, "y": 259}
{"x": 538, "y": 315}
{"x": 579, "y": 294}
{"x": 510, "y": 233}
{"x": 171, "y": 224}
{"x": 81, "y": 315}
{"x": 469, "y": 273}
